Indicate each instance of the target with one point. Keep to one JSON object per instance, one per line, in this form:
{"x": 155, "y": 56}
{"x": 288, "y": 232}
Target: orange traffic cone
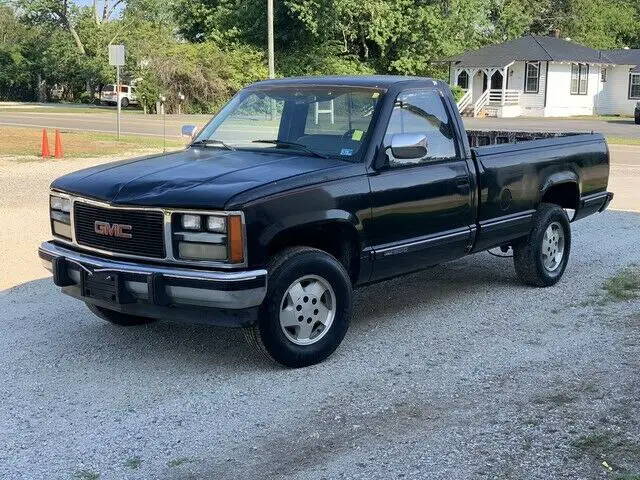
{"x": 44, "y": 149}
{"x": 58, "y": 145}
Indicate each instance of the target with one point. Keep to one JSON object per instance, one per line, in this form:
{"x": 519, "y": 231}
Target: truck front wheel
{"x": 541, "y": 257}
{"x": 306, "y": 312}
{"x": 117, "y": 318}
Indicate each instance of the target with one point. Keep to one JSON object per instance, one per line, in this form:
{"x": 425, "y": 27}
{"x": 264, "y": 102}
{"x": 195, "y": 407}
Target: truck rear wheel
{"x": 541, "y": 257}
{"x": 307, "y": 309}
{"x": 118, "y": 318}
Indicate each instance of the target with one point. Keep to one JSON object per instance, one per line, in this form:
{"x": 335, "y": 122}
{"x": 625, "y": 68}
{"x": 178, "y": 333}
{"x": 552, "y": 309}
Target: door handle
{"x": 463, "y": 184}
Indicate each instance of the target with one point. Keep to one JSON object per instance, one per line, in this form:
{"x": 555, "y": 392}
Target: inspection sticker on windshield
{"x": 357, "y": 135}
{"x": 347, "y": 152}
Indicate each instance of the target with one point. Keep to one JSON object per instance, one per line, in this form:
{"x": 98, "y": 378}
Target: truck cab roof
{"x": 365, "y": 81}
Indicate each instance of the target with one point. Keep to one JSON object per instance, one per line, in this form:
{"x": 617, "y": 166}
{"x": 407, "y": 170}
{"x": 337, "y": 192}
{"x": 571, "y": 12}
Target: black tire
{"x": 284, "y": 269}
{"x": 124, "y": 102}
{"x": 527, "y": 251}
{"x": 118, "y": 318}
{"x": 637, "y": 120}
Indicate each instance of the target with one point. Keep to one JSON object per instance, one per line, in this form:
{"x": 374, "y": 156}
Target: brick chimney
{"x": 555, "y": 33}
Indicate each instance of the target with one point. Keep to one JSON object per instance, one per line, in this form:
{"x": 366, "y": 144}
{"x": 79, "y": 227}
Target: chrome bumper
{"x": 155, "y": 285}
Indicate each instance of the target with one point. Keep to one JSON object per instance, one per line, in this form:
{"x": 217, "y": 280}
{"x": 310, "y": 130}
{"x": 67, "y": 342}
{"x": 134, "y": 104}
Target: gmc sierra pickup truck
{"x": 300, "y": 190}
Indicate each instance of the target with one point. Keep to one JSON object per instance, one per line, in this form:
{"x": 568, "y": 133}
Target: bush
{"x": 457, "y": 92}
{"x": 206, "y": 75}
{"x": 321, "y": 61}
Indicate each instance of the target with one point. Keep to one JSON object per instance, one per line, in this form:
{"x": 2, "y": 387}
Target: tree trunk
{"x": 365, "y": 47}
{"x": 76, "y": 37}
{"x": 105, "y": 11}
{"x": 42, "y": 89}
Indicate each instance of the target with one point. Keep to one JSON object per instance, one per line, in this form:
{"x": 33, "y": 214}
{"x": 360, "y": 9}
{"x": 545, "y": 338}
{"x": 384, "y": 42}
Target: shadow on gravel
{"x": 75, "y": 332}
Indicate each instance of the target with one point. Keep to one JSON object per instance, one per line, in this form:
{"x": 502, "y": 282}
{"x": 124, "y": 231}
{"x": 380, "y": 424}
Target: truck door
{"x": 421, "y": 207}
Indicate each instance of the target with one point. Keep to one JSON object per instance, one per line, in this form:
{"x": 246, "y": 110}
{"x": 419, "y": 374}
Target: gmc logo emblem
{"x": 112, "y": 229}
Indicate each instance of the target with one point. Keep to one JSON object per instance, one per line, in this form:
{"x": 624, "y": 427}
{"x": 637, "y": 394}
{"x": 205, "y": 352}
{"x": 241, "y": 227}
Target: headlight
{"x": 218, "y": 238}
{"x": 60, "y": 203}
{"x": 60, "y": 214}
{"x": 217, "y": 224}
{"x": 191, "y": 222}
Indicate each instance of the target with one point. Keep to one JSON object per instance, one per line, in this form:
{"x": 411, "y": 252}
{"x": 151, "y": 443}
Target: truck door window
{"x": 422, "y": 112}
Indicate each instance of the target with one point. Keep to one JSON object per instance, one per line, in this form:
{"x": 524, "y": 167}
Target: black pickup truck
{"x": 300, "y": 190}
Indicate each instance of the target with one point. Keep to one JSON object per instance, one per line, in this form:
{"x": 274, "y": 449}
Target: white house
{"x": 546, "y": 77}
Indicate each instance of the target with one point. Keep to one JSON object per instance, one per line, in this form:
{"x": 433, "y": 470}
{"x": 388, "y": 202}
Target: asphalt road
{"x": 622, "y": 127}
{"x": 104, "y": 121}
{"x": 459, "y": 372}
{"x": 154, "y": 125}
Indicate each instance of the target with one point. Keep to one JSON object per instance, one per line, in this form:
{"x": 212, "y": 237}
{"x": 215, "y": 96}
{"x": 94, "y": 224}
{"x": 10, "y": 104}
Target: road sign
{"x": 116, "y": 55}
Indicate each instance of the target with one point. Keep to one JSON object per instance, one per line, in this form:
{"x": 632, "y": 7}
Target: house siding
{"x": 614, "y": 98}
{"x": 531, "y": 104}
{"x": 560, "y": 102}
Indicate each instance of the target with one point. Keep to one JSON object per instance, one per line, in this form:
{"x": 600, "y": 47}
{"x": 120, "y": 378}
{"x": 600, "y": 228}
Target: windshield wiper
{"x": 211, "y": 141}
{"x": 292, "y": 144}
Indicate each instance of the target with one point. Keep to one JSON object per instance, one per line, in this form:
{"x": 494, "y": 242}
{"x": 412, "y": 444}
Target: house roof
{"x": 531, "y": 48}
{"x": 624, "y": 56}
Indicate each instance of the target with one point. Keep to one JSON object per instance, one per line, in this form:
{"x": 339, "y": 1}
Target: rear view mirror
{"x": 189, "y": 131}
{"x": 409, "y": 146}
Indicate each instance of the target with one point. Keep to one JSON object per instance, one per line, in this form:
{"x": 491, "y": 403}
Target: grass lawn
{"x": 614, "y": 140}
{"x": 27, "y": 141}
{"x": 62, "y": 108}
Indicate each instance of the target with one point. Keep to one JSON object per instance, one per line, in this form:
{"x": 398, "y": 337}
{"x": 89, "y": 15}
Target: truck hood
{"x": 192, "y": 178}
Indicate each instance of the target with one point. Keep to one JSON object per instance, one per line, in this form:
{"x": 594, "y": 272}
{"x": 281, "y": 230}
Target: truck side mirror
{"x": 189, "y": 131}
{"x": 409, "y": 146}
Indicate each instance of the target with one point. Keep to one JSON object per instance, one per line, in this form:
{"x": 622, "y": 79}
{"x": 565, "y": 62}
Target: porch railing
{"x": 481, "y": 102}
{"x": 511, "y": 97}
{"x": 465, "y": 101}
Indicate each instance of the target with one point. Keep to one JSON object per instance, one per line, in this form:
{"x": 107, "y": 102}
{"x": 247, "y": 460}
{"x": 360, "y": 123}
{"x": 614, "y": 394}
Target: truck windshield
{"x": 316, "y": 121}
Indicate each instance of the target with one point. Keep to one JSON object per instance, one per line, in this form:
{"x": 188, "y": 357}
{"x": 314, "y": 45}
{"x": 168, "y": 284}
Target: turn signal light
{"x": 236, "y": 239}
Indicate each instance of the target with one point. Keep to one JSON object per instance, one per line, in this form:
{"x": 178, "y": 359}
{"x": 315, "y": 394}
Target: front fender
{"x": 310, "y": 219}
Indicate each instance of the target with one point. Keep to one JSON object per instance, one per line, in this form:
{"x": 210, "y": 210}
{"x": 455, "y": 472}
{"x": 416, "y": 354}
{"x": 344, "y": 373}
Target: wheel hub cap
{"x": 307, "y": 310}
{"x": 553, "y": 244}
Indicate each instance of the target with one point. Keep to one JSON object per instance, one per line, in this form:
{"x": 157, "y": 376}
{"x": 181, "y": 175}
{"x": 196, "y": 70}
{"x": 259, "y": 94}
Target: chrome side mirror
{"x": 409, "y": 146}
{"x": 189, "y": 131}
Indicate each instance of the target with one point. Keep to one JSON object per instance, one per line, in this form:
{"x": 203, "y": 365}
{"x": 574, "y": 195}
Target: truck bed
{"x": 481, "y": 138}
{"x": 518, "y": 170}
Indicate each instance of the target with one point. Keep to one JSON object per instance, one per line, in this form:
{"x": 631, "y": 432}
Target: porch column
{"x": 504, "y": 85}
{"x": 471, "y": 73}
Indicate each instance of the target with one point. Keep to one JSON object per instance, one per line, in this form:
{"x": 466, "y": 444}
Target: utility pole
{"x": 272, "y": 68}
{"x": 272, "y": 72}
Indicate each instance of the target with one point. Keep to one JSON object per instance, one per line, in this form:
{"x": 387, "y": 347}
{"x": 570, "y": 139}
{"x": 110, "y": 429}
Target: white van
{"x": 127, "y": 95}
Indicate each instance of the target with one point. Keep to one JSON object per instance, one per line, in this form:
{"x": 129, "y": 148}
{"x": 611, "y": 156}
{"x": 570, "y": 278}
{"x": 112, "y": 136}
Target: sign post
{"x": 116, "y": 57}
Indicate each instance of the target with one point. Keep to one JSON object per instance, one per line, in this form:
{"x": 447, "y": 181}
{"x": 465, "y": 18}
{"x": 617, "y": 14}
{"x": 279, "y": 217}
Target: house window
{"x": 603, "y": 75}
{"x": 531, "y": 77}
{"x": 579, "y": 78}
{"x": 463, "y": 80}
{"x": 634, "y": 86}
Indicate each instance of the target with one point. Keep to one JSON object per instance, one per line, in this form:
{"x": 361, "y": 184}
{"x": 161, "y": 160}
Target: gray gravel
{"x": 456, "y": 372}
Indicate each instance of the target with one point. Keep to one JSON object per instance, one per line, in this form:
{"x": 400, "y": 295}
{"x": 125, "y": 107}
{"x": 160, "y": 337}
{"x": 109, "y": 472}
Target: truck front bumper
{"x": 157, "y": 291}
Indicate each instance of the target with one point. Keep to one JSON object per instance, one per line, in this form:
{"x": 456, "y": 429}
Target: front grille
{"x": 147, "y": 230}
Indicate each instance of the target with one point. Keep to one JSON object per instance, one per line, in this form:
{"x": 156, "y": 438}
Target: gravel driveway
{"x": 457, "y": 372}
